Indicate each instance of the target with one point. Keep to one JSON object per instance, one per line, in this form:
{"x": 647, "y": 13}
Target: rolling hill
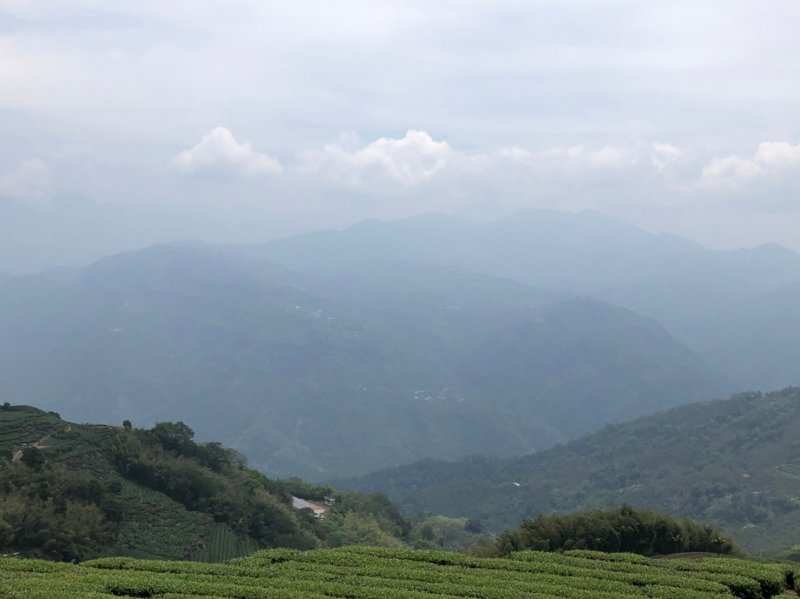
{"x": 734, "y": 463}
{"x": 335, "y": 370}
{"x": 75, "y": 491}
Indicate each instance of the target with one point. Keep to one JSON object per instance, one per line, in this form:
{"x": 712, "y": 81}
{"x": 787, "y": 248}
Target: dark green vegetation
{"x": 618, "y": 530}
{"x": 732, "y": 463}
{"x": 375, "y": 573}
{"x": 71, "y": 491}
{"x": 322, "y": 363}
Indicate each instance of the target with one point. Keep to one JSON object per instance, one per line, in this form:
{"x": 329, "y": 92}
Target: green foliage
{"x": 391, "y": 573}
{"x": 375, "y": 505}
{"x": 620, "y": 530}
{"x": 49, "y": 511}
{"x": 33, "y": 458}
{"x": 443, "y": 532}
{"x": 731, "y": 463}
{"x": 72, "y": 531}
{"x": 93, "y": 490}
{"x": 352, "y": 528}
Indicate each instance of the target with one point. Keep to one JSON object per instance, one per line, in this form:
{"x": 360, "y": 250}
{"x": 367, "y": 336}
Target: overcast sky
{"x": 130, "y": 122}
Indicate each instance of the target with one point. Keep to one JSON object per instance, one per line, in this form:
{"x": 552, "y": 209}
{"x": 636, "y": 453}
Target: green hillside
{"x": 375, "y": 573}
{"x": 70, "y": 491}
{"x": 733, "y": 463}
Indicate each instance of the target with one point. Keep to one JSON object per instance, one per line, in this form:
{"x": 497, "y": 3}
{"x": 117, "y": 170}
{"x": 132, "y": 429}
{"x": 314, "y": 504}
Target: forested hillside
{"x": 324, "y": 372}
{"x": 72, "y": 492}
{"x": 734, "y": 463}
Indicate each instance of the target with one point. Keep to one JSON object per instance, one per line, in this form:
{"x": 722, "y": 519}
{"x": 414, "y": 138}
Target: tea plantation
{"x": 381, "y": 573}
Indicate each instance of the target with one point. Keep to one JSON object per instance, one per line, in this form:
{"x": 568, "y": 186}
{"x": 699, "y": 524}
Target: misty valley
{"x": 338, "y": 353}
{"x": 370, "y": 351}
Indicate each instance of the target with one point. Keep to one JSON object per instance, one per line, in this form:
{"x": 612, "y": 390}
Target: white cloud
{"x": 771, "y": 159}
{"x": 219, "y": 151}
{"x": 731, "y": 168}
{"x": 29, "y": 181}
{"x": 778, "y": 154}
{"x": 410, "y": 160}
{"x": 611, "y": 157}
{"x": 606, "y": 157}
{"x": 664, "y": 154}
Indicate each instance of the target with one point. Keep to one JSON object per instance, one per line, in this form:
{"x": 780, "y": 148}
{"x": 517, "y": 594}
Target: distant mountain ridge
{"x": 714, "y": 301}
{"x": 734, "y": 463}
{"x": 318, "y": 366}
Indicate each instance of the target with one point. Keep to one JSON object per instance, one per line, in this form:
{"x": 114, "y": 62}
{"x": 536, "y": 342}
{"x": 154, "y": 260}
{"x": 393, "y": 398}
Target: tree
{"x": 33, "y": 458}
{"x": 622, "y": 529}
{"x": 473, "y": 526}
{"x": 127, "y": 425}
{"x": 358, "y": 529}
{"x": 174, "y": 436}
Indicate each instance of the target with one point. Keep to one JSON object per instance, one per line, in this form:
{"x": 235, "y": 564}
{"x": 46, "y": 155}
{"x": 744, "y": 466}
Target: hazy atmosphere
{"x": 443, "y": 299}
{"x": 128, "y": 123}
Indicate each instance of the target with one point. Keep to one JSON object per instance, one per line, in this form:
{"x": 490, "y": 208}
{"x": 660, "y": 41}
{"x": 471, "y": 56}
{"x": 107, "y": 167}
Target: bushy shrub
{"x": 624, "y": 529}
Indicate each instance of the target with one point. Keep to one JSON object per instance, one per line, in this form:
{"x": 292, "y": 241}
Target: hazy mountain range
{"x": 337, "y": 353}
{"x": 732, "y": 306}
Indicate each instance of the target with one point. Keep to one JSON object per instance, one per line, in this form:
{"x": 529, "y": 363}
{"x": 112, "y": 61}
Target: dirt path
{"x": 40, "y": 444}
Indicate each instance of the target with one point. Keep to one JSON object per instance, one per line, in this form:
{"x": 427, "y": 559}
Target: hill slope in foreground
{"x": 734, "y": 463}
{"x": 70, "y": 491}
{"x": 372, "y": 573}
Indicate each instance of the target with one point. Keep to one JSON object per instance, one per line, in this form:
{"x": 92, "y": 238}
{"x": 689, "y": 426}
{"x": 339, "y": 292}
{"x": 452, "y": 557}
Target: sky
{"x": 128, "y": 123}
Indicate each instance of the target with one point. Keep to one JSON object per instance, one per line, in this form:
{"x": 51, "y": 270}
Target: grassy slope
{"x": 154, "y": 526}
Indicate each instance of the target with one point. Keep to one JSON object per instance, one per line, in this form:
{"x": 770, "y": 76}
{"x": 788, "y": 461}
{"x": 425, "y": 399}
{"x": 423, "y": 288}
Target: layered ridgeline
{"x": 736, "y": 308}
{"x": 70, "y": 491}
{"x": 734, "y": 463}
{"x": 322, "y": 364}
{"x": 373, "y": 573}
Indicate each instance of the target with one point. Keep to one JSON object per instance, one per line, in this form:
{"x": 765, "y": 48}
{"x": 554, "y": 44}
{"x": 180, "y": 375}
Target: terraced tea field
{"x": 376, "y": 573}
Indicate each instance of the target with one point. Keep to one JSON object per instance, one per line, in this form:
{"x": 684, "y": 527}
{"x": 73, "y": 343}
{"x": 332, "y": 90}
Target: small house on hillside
{"x": 319, "y": 509}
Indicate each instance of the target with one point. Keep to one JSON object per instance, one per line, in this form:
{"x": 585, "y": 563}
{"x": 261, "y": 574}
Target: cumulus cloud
{"x": 28, "y": 181}
{"x": 420, "y": 159}
{"x": 219, "y": 151}
{"x": 771, "y": 159}
{"x": 410, "y": 160}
